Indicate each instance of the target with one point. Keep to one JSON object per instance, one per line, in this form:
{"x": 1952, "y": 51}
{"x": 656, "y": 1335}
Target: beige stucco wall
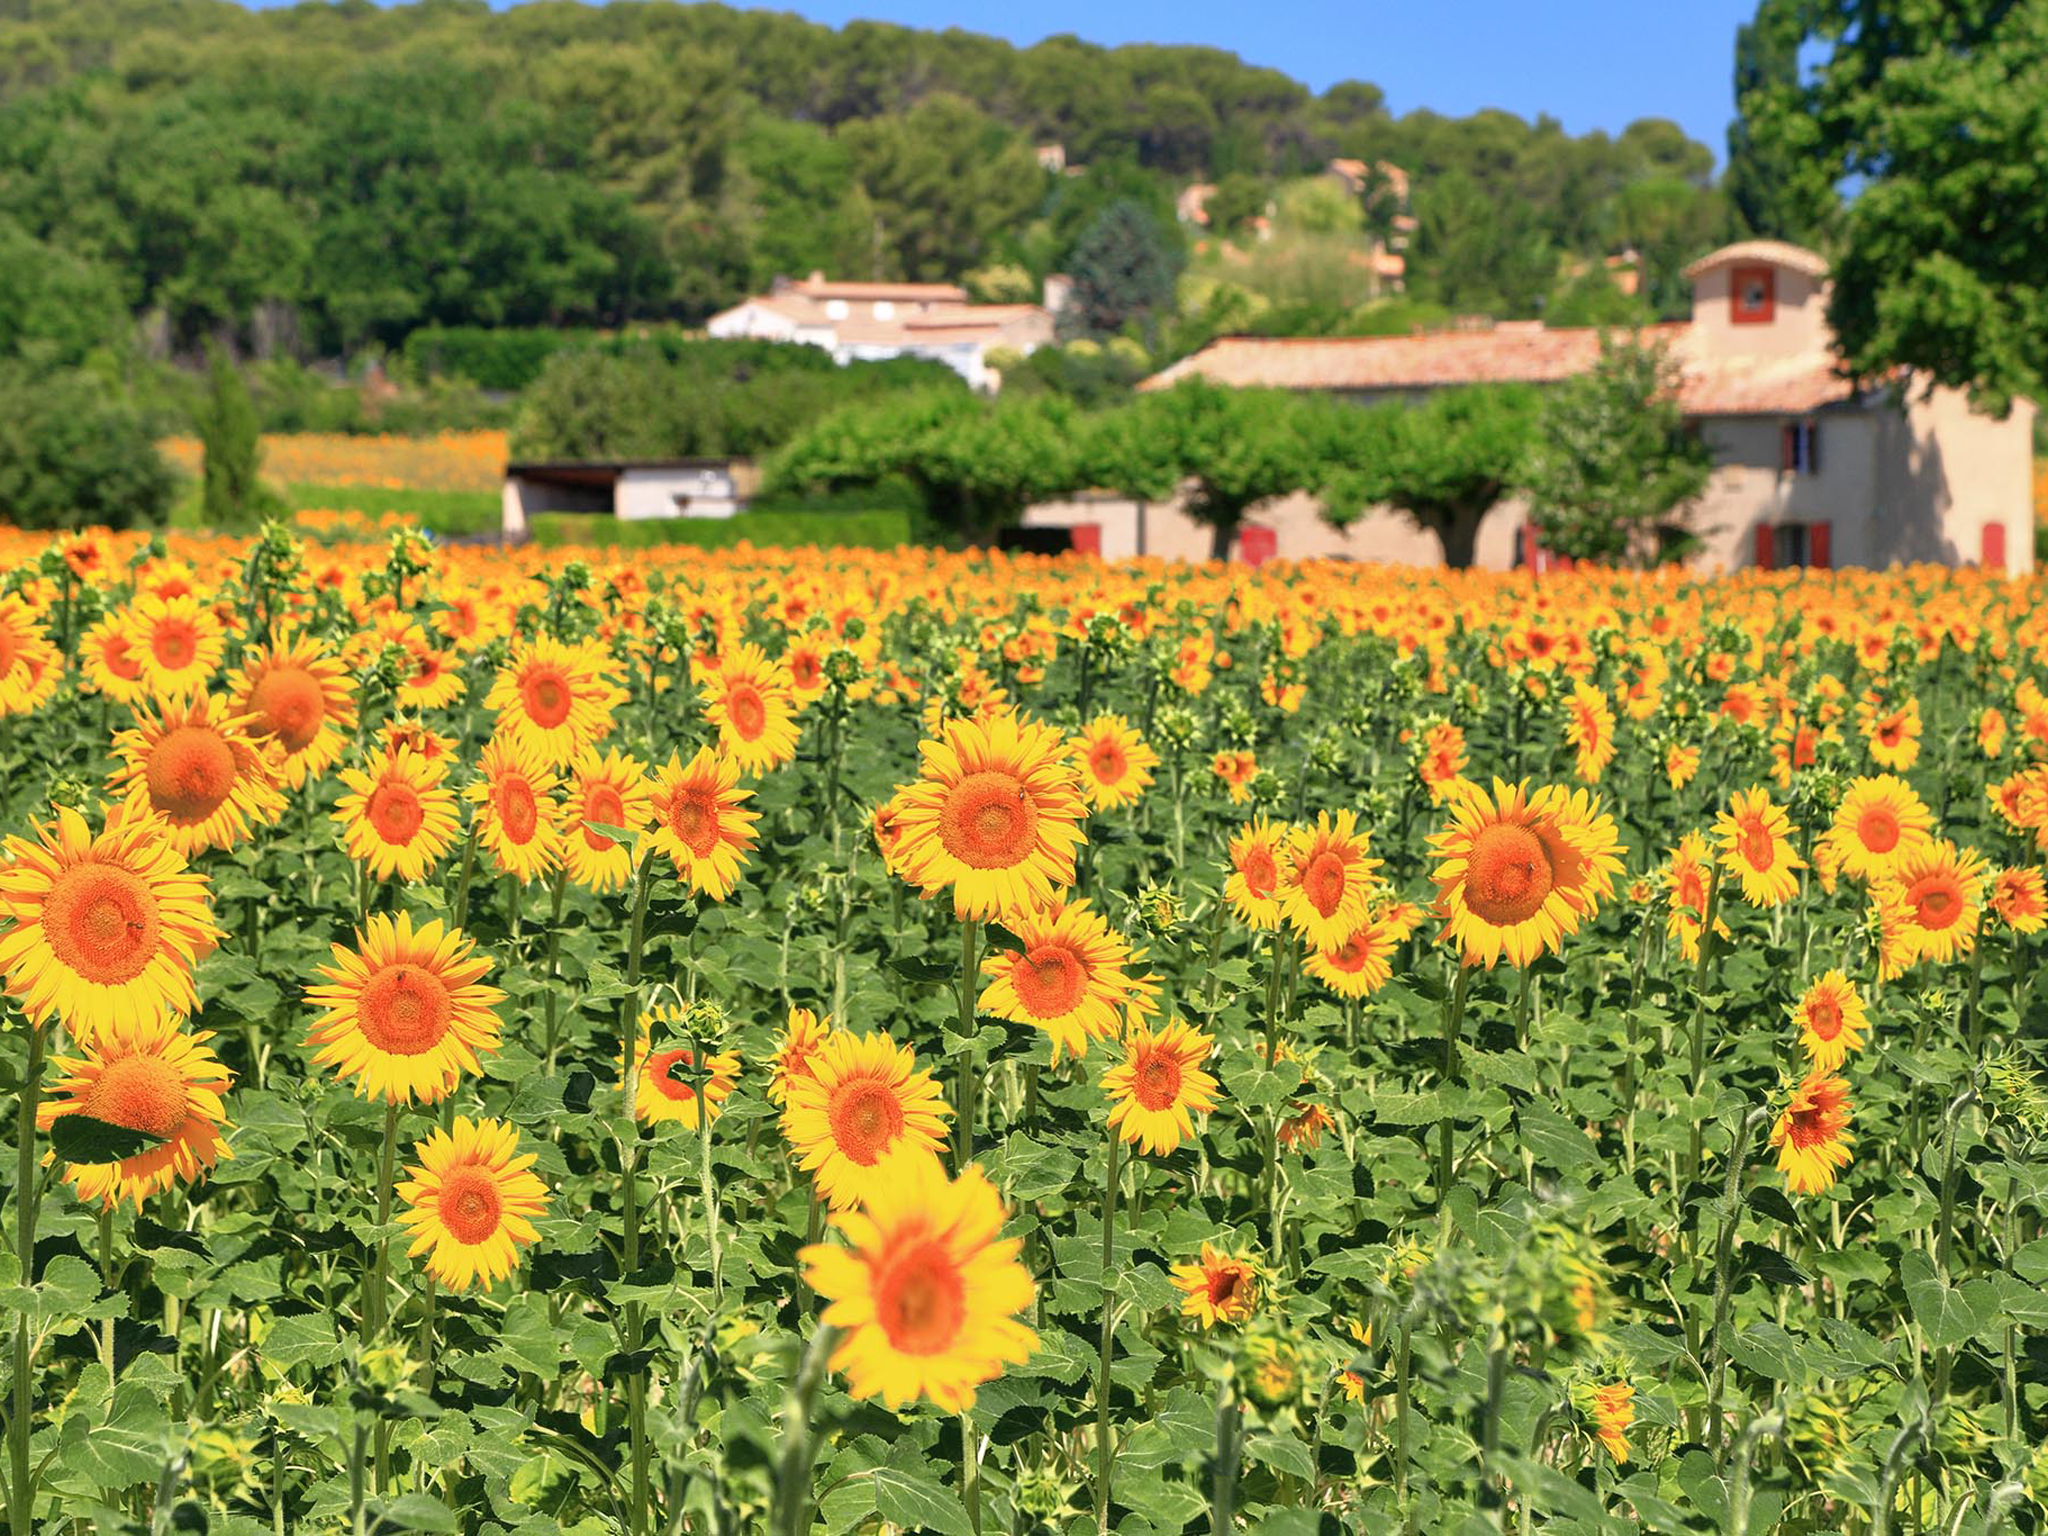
{"x": 1798, "y": 326}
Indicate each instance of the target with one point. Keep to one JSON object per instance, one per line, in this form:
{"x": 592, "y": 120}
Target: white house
{"x": 629, "y": 489}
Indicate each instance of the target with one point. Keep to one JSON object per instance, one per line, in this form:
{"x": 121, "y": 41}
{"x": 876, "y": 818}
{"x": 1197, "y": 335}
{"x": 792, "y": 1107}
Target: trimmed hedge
{"x": 780, "y": 530}
{"x": 453, "y": 513}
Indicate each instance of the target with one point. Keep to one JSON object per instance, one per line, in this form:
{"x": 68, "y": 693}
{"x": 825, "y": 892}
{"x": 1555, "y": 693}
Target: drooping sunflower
{"x": 748, "y": 702}
{"x": 407, "y": 1011}
{"x": 1253, "y": 885}
{"x": 103, "y": 929}
{"x": 1934, "y": 894}
{"x": 1812, "y": 1133}
{"x": 1613, "y": 1410}
{"x": 179, "y": 644}
{"x": 887, "y": 825}
{"x": 1236, "y": 770}
{"x": 927, "y": 1289}
{"x": 1067, "y": 978}
{"x": 110, "y": 656}
{"x": 672, "y": 1086}
{"x": 1756, "y": 847}
{"x": 1520, "y": 872}
{"x": 471, "y": 1196}
{"x": 610, "y": 790}
{"x": 1589, "y": 728}
{"x": 518, "y": 818}
{"x": 2020, "y": 898}
{"x": 146, "y": 1074}
{"x": 1160, "y": 1086}
{"x": 1326, "y": 879}
{"x": 995, "y": 814}
{"x": 865, "y": 1100}
{"x": 1879, "y": 821}
{"x": 399, "y": 814}
{"x": 804, "y": 1037}
{"x": 1220, "y": 1288}
{"x": 1831, "y": 1020}
{"x": 196, "y": 767}
{"x": 1302, "y": 1128}
{"x": 699, "y": 821}
{"x": 297, "y": 694}
{"x": 1113, "y": 761}
{"x": 556, "y": 696}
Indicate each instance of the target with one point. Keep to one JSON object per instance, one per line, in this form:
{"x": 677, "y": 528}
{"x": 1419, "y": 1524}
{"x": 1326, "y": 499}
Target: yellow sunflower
{"x": 1253, "y": 885}
{"x": 103, "y": 929}
{"x": 298, "y": 695}
{"x": 27, "y": 659}
{"x": 557, "y": 697}
{"x": 1113, "y": 761}
{"x": 864, "y": 1100}
{"x": 399, "y": 814}
{"x": 1220, "y": 1288}
{"x": 1326, "y": 878}
{"x": 197, "y": 768}
{"x": 407, "y": 1013}
{"x": 147, "y": 1075}
{"x": 1812, "y": 1133}
{"x": 801, "y": 1041}
{"x": 433, "y": 681}
{"x": 517, "y": 817}
{"x": 2020, "y": 898}
{"x": 1934, "y": 894}
{"x": 1159, "y": 1086}
{"x": 927, "y": 1289}
{"x": 995, "y": 814}
{"x": 471, "y": 1198}
{"x": 179, "y": 644}
{"x": 1067, "y": 978}
{"x": 1755, "y": 838}
{"x": 1521, "y": 872}
{"x": 670, "y": 1077}
{"x": 1362, "y": 964}
{"x": 611, "y": 790}
{"x": 1879, "y": 821}
{"x": 699, "y": 821}
{"x": 1831, "y": 1021}
{"x": 1589, "y": 728}
{"x": 109, "y": 655}
{"x": 748, "y": 702}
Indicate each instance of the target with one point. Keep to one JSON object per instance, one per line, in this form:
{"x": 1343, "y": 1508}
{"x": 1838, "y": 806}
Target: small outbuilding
{"x": 632, "y": 490}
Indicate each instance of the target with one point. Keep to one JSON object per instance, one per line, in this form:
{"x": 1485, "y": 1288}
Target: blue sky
{"x": 1588, "y": 63}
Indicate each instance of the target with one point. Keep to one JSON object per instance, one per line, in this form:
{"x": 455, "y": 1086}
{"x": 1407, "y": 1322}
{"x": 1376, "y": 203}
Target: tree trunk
{"x": 1220, "y": 537}
{"x": 1459, "y": 534}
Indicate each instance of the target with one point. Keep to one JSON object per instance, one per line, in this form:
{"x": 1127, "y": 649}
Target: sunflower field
{"x": 824, "y": 1042}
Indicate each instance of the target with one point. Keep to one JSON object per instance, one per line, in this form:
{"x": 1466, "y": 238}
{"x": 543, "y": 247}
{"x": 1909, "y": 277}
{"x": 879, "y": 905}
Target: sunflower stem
{"x": 554, "y": 963}
{"x": 793, "y": 1473}
{"x": 629, "y": 1145}
{"x": 1109, "y": 1183}
{"x": 20, "y": 1481}
{"x": 374, "y": 1318}
{"x": 1699, "y": 1018}
{"x": 1724, "y": 1254}
{"x": 1522, "y": 1007}
{"x": 1973, "y": 1015}
{"x": 1454, "y": 1021}
{"x": 1229, "y": 1424}
{"x": 107, "y": 1278}
{"x": 707, "y": 1184}
{"x": 972, "y": 1063}
{"x": 462, "y": 880}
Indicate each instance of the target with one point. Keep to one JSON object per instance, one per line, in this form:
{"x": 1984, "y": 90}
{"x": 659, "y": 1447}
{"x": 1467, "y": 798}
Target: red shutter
{"x": 1819, "y": 553}
{"x": 1763, "y": 546}
{"x": 1994, "y": 547}
{"x": 1813, "y": 447}
{"x": 1087, "y": 538}
{"x": 1530, "y": 548}
{"x": 1788, "y": 447}
{"x": 1256, "y": 545}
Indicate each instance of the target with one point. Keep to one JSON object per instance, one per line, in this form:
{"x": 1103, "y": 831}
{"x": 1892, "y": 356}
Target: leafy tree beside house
{"x": 1123, "y": 270}
{"x": 1612, "y": 466}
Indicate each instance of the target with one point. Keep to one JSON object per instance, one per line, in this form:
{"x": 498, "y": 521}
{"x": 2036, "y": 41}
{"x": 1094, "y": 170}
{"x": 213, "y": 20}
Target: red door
{"x": 1763, "y": 547}
{"x": 1994, "y": 547}
{"x": 1820, "y": 553}
{"x": 1256, "y": 545}
{"x": 1087, "y": 538}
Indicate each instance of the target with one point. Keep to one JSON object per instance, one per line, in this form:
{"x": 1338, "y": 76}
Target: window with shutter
{"x": 1765, "y": 543}
{"x": 1752, "y": 296}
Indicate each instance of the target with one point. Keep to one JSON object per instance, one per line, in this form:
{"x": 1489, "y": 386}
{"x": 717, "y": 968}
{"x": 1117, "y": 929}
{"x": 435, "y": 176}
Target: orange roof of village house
{"x": 1518, "y": 352}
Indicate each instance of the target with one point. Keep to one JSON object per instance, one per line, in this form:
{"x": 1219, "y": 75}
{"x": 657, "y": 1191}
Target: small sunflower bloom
{"x": 1219, "y": 1288}
{"x": 145, "y": 1075}
{"x": 1114, "y": 764}
{"x": 1832, "y": 1021}
{"x": 1812, "y": 1133}
{"x": 471, "y": 1197}
{"x": 1159, "y": 1087}
{"x": 865, "y": 1101}
{"x": 1756, "y": 847}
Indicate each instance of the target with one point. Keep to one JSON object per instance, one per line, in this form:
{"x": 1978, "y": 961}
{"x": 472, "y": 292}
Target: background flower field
{"x": 1114, "y": 1046}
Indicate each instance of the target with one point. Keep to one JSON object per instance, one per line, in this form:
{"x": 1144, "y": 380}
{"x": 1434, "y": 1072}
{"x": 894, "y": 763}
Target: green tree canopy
{"x": 1123, "y": 271}
{"x": 73, "y": 453}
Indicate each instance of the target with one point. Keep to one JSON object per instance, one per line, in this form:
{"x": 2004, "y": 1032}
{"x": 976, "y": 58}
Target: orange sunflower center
{"x": 1349, "y": 957}
{"x": 101, "y": 921}
{"x": 921, "y": 1299}
{"x": 602, "y": 804}
{"x": 517, "y": 812}
{"x": 989, "y": 820}
{"x": 190, "y": 772}
{"x": 745, "y": 709}
{"x": 805, "y": 669}
{"x": 1155, "y": 1080}
{"x": 547, "y": 696}
{"x": 1107, "y": 761}
{"x": 1812, "y": 1122}
{"x": 289, "y": 702}
{"x": 866, "y": 1117}
{"x": 470, "y": 1204}
{"x": 1223, "y": 1287}
{"x": 143, "y": 1093}
{"x": 1049, "y": 980}
{"x": 174, "y": 643}
{"x": 404, "y": 1010}
{"x": 1260, "y": 874}
{"x": 1322, "y": 881}
{"x": 663, "y": 1066}
{"x": 1756, "y": 844}
{"x": 1936, "y": 900}
{"x": 395, "y": 812}
{"x": 1878, "y": 829}
{"x": 1508, "y": 875}
{"x": 1824, "y": 1017}
{"x": 115, "y": 653}
{"x": 693, "y": 817}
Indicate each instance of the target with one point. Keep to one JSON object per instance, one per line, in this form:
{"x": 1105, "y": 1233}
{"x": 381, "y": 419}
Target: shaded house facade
{"x": 1810, "y": 468}
{"x": 873, "y": 322}
{"x": 631, "y": 490}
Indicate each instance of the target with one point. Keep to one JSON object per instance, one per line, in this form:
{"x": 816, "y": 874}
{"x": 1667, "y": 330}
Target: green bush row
{"x": 780, "y": 530}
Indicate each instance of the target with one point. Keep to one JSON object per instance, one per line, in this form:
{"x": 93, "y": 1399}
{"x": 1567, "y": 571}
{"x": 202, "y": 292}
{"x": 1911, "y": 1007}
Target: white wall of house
{"x": 521, "y": 499}
{"x": 645, "y": 494}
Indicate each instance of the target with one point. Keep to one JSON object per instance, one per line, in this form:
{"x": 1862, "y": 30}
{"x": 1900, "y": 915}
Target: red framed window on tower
{"x": 1752, "y": 295}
